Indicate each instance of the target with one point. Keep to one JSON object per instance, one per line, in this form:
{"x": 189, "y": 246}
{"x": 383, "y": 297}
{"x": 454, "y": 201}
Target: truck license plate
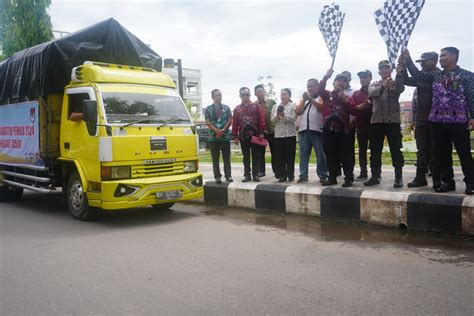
{"x": 169, "y": 195}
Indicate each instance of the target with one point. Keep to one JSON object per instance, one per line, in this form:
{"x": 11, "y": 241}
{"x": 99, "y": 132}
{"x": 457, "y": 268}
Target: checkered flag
{"x": 330, "y": 25}
{"x": 396, "y": 22}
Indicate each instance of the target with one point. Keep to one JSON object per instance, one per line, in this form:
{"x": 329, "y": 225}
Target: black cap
{"x": 347, "y": 74}
{"x": 341, "y": 77}
{"x": 384, "y": 63}
{"x": 428, "y": 56}
{"x": 364, "y": 73}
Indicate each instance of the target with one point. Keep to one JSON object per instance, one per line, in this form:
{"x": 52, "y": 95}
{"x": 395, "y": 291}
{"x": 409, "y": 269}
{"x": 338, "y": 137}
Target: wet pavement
{"x": 197, "y": 259}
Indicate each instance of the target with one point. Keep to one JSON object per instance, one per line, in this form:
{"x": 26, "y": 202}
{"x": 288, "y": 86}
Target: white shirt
{"x": 312, "y": 118}
{"x": 284, "y": 126}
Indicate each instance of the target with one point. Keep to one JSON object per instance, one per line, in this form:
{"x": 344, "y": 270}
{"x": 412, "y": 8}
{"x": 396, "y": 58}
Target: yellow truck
{"x": 117, "y": 137}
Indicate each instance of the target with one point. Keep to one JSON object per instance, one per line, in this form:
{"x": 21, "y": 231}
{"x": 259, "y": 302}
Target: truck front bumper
{"x": 130, "y": 193}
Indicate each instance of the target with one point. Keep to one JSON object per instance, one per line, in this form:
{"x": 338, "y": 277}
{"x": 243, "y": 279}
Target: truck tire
{"x": 163, "y": 206}
{"x": 10, "y": 194}
{"x": 77, "y": 199}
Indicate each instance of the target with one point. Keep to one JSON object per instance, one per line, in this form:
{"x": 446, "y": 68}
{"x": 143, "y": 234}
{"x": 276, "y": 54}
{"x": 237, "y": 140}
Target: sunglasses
{"x": 245, "y": 94}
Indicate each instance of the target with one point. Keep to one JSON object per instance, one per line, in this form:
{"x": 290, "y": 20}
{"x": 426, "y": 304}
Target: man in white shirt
{"x": 310, "y": 133}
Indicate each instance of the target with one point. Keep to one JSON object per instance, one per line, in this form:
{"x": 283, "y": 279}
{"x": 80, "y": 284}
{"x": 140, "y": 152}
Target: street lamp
{"x": 169, "y": 63}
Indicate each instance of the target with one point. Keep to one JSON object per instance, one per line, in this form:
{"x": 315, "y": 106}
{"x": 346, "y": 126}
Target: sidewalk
{"x": 417, "y": 208}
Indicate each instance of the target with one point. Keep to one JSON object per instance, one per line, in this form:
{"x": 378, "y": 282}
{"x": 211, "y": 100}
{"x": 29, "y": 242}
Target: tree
{"x": 24, "y": 23}
{"x": 270, "y": 94}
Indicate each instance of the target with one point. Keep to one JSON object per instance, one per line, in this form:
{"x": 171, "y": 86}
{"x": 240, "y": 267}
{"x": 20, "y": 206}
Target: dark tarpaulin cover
{"x": 46, "y": 68}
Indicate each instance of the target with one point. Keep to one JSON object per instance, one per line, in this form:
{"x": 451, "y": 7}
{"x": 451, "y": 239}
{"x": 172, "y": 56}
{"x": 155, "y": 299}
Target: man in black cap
{"x": 363, "y": 105}
{"x": 421, "y": 108}
{"x": 385, "y": 121}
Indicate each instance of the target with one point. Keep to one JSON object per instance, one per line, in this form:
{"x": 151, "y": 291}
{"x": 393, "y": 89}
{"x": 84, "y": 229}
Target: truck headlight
{"x": 190, "y": 166}
{"x": 114, "y": 173}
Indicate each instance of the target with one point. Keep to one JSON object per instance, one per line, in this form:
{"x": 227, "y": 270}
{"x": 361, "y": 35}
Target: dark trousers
{"x": 271, "y": 143}
{"x": 377, "y": 135}
{"x": 285, "y": 148}
{"x": 426, "y": 155}
{"x": 216, "y": 148}
{"x": 250, "y": 149}
{"x": 446, "y": 134}
{"x": 363, "y": 142}
{"x": 339, "y": 150}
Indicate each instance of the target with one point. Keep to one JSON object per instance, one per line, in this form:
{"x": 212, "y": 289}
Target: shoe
{"x": 256, "y": 179}
{"x": 469, "y": 189}
{"x": 246, "y": 179}
{"x": 282, "y": 180}
{"x": 218, "y": 180}
{"x": 291, "y": 179}
{"x": 418, "y": 182}
{"x": 347, "y": 183}
{"x": 436, "y": 184}
{"x": 362, "y": 177}
{"x": 444, "y": 187}
{"x": 229, "y": 179}
{"x": 302, "y": 180}
{"x": 372, "y": 181}
{"x": 261, "y": 174}
{"x": 398, "y": 183}
{"x": 322, "y": 180}
{"x": 329, "y": 182}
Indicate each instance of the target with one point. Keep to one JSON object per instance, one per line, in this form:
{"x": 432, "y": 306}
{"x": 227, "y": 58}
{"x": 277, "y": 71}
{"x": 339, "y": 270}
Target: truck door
{"x": 79, "y": 138}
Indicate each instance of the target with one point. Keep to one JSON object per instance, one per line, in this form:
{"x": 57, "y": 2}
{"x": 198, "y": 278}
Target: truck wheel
{"x": 77, "y": 199}
{"x": 10, "y": 194}
{"x": 163, "y": 206}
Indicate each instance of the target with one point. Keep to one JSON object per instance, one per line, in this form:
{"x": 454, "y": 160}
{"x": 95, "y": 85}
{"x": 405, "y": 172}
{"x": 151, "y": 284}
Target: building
{"x": 191, "y": 86}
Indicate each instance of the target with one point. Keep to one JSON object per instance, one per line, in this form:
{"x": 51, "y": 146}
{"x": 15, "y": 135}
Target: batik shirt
{"x": 453, "y": 93}
{"x": 218, "y": 115}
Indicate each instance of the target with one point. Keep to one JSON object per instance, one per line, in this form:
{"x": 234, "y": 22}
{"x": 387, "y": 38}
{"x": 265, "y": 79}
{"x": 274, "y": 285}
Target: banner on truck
{"x": 19, "y": 134}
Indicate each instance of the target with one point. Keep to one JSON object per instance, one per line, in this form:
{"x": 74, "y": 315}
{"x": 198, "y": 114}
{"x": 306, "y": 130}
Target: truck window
{"x": 75, "y": 106}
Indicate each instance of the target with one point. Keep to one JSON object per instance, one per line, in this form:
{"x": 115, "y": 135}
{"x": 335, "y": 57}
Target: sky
{"x": 235, "y": 42}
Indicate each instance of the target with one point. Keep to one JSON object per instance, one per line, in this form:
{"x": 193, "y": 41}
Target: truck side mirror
{"x": 89, "y": 110}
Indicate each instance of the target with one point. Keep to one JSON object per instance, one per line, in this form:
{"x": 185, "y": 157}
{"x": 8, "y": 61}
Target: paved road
{"x": 202, "y": 260}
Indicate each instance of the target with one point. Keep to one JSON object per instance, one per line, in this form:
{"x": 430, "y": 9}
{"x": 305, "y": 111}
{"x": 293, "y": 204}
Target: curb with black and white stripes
{"x": 419, "y": 211}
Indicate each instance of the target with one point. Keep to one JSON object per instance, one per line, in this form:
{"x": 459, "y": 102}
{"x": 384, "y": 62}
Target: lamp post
{"x": 170, "y": 63}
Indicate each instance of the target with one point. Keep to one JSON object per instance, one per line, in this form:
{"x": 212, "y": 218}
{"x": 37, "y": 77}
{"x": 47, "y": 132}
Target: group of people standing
{"x": 331, "y": 120}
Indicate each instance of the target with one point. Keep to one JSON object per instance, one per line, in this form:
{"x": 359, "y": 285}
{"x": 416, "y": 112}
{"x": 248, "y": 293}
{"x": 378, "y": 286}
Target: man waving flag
{"x": 395, "y": 22}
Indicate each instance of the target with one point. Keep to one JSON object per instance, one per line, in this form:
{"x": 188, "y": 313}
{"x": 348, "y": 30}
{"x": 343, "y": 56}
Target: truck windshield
{"x": 126, "y": 107}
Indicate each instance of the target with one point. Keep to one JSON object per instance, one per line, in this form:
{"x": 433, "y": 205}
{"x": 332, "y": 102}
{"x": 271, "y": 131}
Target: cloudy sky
{"x": 235, "y": 42}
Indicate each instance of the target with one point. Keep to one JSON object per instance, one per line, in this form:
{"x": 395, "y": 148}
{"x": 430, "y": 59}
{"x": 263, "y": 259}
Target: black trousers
{"x": 250, "y": 151}
{"x": 377, "y": 135}
{"x": 363, "y": 142}
{"x": 285, "y": 148}
{"x": 271, "y": 143}
{"x": 426, "y": 155}
{"x": 339, "y": 150}
{"x": 446, "y": 134}
{"x": 216, "y": 148}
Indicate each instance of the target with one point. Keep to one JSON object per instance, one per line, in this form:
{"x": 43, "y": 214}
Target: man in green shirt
{"x": 218, "y": 119}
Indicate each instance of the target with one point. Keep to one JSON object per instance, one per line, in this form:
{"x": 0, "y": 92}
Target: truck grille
{"x": 157, "y": 170}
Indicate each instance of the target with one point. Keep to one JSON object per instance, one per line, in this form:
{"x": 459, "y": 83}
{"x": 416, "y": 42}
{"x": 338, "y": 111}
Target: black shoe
{"x": 362, "y": 177}
{"x": 229, "y": 179}
{"x": 436, "y": 184}
{"x": 261, "y": 174}
{"x": 372, "y": 181}
{"x": 445, "y": 188}
{"x": 282, "y": 180}
{"x": 246, "y": 179}
{"x": 328, "y": 182}
{"x": 398, "y": 183}
{"x": 302, "y": 180}
{"x": 347, "y": 183}
{"x": 469, "y": 189}
{"x": 218, "y": 180}
{"x": 291, "y": 179}
{"x": 418, "y": 182}
{"x": 256, "y": 179}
